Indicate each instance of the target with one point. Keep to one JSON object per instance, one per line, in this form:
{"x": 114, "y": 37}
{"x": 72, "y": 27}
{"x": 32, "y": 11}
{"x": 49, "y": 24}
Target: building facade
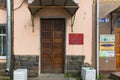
{"x": 41, "y": 42}
{"x": 47, "y": 37}
{"x": 109, "y": 9}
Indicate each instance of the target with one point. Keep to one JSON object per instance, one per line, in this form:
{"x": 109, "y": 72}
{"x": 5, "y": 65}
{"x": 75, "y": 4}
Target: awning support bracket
{"x": 32, "y": 19}
{"x": 72, "y": 22}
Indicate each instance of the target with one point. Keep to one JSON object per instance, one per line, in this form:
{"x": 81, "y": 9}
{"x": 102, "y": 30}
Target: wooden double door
{"x": 52, "y": 45}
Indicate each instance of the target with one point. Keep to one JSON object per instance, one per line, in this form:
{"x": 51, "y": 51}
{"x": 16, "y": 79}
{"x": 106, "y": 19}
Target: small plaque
{"x": 76, "y": 39}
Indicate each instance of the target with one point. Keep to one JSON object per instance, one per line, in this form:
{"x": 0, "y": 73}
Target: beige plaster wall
{"x": 27, "y": 42}
{"x": 83, "y": 24}
{"x": 2, "y": 16}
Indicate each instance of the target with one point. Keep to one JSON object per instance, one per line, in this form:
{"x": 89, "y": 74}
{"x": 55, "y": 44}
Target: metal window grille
{"x": 2, "y": 41}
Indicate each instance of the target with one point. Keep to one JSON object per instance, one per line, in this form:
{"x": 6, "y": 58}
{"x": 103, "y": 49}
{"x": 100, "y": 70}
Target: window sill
{"x": 2, "y": 57}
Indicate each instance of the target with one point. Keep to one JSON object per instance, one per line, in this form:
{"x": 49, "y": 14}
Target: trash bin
{"x": 88, "y": 73}
{"x": 20, "y": 74}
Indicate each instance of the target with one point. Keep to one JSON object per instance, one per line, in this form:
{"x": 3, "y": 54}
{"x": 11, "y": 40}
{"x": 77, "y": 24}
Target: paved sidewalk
{"x": 53, "y": 77}
{"x": 49, "y": 77}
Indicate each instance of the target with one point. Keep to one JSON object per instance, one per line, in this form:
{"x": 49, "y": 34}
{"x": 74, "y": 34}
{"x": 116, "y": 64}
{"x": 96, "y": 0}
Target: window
{"x": 118, "y": 22}
{"x": 2, "y": 3}
{"x": 2, "y": 40}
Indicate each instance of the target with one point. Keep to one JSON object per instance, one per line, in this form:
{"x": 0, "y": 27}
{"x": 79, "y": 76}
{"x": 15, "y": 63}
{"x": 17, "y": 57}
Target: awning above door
{"x": 69, "y": 5}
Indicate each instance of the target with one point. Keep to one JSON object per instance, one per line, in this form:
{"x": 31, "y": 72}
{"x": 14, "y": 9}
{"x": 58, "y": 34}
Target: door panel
{"x": 118, "y": 48}
{"x": 52, "y": 45}
{"x": 48, "y": 64}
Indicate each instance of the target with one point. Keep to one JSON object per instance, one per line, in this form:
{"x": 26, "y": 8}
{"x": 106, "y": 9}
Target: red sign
{"x": 76, "y": 39}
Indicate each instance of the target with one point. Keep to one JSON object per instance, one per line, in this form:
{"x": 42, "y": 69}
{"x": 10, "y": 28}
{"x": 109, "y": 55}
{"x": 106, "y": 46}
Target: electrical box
{"x": 88, "y": 73}
{"x": 30, "y": 1}
{"x": 76, "y": 1}
{"x": 20, "y": 74}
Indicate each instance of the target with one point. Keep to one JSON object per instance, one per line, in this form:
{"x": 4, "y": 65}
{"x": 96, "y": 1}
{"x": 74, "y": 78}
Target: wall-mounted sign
{"x": 107, "y": 45}
{"x": 104, "y": 20}
{"x": 76, "y": 39}
{"x": 107, "y": 38}
{"x": 107, "y": 53}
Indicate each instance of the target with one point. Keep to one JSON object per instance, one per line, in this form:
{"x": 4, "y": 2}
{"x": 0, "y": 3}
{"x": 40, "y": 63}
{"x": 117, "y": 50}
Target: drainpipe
{"x": 97, "y": 36}
{"x": 9, "y": 50}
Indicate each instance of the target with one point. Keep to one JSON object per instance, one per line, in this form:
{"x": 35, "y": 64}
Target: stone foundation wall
{"x": 74, "y": 64}
{"x": 29, "y": 62}
{"x": 2, "y": 69}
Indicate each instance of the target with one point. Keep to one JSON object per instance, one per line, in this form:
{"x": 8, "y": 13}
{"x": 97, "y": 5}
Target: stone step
{"x": 49, "y": 77}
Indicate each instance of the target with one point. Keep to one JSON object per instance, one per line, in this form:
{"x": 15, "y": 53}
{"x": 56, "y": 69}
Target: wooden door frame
{"x": 65, "y": 34}
{"x": 116, "y": 30}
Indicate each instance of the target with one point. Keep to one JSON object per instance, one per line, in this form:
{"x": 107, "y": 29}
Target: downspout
{"x": 97, "y": 38}
{"x": 9, "y": 50}
{"x": 111, "y": 28}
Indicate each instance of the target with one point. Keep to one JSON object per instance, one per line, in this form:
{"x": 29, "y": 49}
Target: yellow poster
{"x": 105, "y": 46}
